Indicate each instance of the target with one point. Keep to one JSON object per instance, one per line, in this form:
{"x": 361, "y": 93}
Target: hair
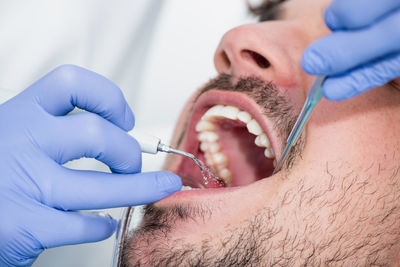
{"x": 267, "y": 10}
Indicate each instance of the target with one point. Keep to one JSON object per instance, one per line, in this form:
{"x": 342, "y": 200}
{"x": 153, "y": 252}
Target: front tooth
{"x": 230, "y": 112}
{"x": 254, "y": 128}
{"x": 244, "y": 116}
{"x": 262, "y": 141}
{"x": 269, "y": 153}
{"x": 214, "y": 111}
{"x": 204, "y": 125}
{"x": 207, "y": 137}
{"x": 220, "y": 159}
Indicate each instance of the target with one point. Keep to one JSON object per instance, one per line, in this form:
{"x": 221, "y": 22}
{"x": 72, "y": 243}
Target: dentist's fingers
{"x": 361, "y": 79}
{"x": 342, "y": 51}
{"x": 82, "y": 190}
{"x": 69, "y": 228}
{"x": 67, "y": 86}
{"x": 352, "y": 14}
{"x": 40, "y": 227}
{"x": 88, "y": 135}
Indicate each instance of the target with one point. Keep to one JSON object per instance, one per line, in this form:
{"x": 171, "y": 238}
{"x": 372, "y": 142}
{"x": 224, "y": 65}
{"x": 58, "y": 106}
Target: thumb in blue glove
{"x": 363, "y": 50}
{"x": 39, "y": 198}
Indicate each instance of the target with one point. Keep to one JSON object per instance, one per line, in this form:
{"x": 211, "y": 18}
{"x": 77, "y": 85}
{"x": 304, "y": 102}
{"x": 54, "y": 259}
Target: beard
{"x": 343, "y": 219}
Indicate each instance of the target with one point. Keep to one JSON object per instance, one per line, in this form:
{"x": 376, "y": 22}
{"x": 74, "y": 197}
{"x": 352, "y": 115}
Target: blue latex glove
{"x": 38, "y": 196}
{"x": 363, "y": 51}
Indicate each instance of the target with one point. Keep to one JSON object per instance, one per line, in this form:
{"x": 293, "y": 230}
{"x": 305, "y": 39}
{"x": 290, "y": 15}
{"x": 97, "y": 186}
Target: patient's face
{"x": 335, "y": 202}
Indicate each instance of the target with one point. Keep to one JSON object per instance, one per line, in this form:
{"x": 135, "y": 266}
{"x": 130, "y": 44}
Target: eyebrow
{"x": 268, "y": 10}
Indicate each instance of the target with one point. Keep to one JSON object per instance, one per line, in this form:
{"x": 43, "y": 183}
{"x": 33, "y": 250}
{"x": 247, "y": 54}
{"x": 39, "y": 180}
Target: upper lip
{"x": 191, "y": 144}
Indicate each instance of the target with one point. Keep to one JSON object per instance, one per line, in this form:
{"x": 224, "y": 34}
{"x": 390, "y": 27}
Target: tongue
{"x": 246, "y": 161}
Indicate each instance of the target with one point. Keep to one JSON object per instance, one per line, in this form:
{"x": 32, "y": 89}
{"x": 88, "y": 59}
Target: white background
{"x": 180, "y": 60}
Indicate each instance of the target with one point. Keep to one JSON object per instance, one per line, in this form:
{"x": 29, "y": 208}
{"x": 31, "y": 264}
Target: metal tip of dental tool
{"x": 164, "y": 148}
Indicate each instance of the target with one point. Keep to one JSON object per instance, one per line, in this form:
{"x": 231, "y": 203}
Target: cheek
{"x": 292, "y": 40}
{"x": 289, "y": 42}
{"x": 359, "y": 131}
{"x": 332, "y": 135}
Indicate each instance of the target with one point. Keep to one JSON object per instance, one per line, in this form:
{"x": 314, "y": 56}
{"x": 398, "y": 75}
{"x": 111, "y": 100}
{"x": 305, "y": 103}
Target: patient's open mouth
{"x": 230, "y": 133}
{"x": 225, "y": 130}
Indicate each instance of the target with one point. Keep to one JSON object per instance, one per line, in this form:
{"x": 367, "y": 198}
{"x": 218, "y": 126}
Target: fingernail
{"x": 171, "y": 183}
{"x": 111, "y": 220}
{"x": 113, "y": 223}
{"x": 330, "y": 20}
{"x": 336, "y": 94}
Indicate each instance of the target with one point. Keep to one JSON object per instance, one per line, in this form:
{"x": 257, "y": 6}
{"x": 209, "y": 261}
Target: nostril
{"x": 261, "y": 61}
{"x": 225, "y": 60}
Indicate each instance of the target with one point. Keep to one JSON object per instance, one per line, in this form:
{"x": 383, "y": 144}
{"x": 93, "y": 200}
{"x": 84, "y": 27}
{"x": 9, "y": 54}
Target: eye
{"x": 266, "y": 10}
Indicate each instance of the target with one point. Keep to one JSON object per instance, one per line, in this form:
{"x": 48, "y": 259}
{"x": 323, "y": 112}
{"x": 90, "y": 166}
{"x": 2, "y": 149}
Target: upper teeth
{"x": 207, "y": 136}
{"x": 262, "y": 140}
{"x": 230, "y": 112}
{"x": 254, "y": 128}
{"x": 244, "y": 116}
{"x": 204, "y": 125}
{"x": 209, "y": 139}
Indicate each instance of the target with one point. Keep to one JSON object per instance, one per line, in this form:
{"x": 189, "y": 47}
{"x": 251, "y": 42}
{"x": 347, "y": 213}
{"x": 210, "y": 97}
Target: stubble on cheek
{"x": 345, "y": 218}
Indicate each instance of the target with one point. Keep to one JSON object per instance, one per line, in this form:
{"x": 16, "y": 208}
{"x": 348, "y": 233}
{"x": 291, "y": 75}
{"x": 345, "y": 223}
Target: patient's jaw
{"x": 336, "y": 204}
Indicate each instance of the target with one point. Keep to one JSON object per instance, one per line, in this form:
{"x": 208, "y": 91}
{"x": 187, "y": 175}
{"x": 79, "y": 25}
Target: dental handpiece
{"x": 152, "y": 145}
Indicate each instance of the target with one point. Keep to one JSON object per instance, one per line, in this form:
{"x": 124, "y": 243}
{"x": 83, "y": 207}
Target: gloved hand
{"x": 363, "y": 51}
{"x": 38, "y": 196}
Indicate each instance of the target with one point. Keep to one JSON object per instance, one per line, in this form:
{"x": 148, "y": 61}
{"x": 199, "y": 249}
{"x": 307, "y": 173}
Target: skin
{"x": 337, "y": 205}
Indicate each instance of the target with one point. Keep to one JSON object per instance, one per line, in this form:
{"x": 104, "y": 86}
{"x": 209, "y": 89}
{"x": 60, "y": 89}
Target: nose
{"x": 240, "y": 54}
